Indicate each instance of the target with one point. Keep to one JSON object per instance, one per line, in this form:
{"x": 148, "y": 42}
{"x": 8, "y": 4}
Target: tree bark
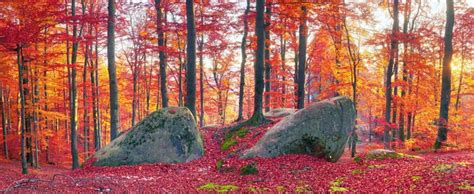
{"x": 243, "y": 48}
{"x": 114, "y": 105}
{"x": 268, "y": 68}
{"x": 73, "y": 89}
{"x": 4, "y": 122}
{"x": 24, "y": 165}
{"x": 302, "y": 58}
{"x": 401, "y": 122}
{"x": 446, "y": 77}
{"x": 201, "y": 73}
{"x": 162, "y": 54}
{"x": 388, "y": 84}
{"x": 190, "y": 101}
{"x": 257, "y": 116}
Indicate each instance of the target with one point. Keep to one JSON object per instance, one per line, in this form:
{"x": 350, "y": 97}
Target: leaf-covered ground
{"x": 220, "y": 170}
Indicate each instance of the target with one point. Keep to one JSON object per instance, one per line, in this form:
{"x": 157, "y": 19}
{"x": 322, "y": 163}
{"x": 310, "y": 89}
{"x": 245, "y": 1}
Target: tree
{"x": 388, "y": 81}
{"x": 243, "y": 47}
{"x": 114, "y": 106}
{"x": 161, "y": 44}
{"x": 268, "y": 67}
{"x": 446, "y": 76}
{"x": 73, "y": 89}
{"x": 301, "y": 58}
{"x": 4, "y": 121}
{"x": 190, "y": 101}
{"x": 257, "y": 116}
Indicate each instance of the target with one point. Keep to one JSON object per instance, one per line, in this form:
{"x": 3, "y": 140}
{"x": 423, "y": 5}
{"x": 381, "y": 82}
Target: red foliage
{"x": 292, "y": 172}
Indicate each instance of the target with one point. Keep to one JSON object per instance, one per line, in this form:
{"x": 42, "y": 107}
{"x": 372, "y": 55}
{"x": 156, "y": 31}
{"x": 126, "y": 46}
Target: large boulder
{"x": 279, "y": 112}
{"x": 168, "y": 135}
{"x": 320, "y": 130}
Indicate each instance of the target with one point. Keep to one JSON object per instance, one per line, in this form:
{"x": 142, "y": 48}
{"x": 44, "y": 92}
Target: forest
{"x": 236, "y": 96}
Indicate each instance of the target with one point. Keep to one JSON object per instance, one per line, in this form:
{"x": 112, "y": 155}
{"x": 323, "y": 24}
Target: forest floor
{"x": 219, "y": 171}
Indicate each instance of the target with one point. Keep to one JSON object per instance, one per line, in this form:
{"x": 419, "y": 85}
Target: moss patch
{"x": 249, "y": 169}
{"x": 230, "y": 138}
{"x": 219, "y": 164}
{"x": 442, "y": 168}
{"x": 336, "y": 185}
{"x": 218, "y": 188}
{"x": 375, "y": 166}
{"x": 466, "y": 186}
{"x": 357, "y": 171}
{"x": 280, "y": 189}
{"x": 415, "y": 178}
{"x": 228, "y": 142}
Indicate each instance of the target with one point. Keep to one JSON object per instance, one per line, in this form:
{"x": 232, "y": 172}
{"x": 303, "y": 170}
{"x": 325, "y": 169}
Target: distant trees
{"x": 304, "y": 52}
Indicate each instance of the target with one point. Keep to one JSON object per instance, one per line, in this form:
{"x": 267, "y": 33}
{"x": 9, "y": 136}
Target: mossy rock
{"x": 320, "y": 130}
{"x": 168, "y": 135}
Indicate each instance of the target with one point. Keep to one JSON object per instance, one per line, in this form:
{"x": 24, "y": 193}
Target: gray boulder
{"x": 279, "y": 112}
{"x": 168, "y": 135}
{"x": 320, "y": 130}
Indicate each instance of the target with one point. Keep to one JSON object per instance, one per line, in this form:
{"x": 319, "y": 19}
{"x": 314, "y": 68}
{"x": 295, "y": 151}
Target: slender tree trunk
{"x": 134, "y": 96}
{"x": 4, "y": 122}
{"x": 302, "y": 58}
{"x": 94, "y": 102}
{"x": 34, "y": 100}
{"x": 446, "y": 77}
{"x": 190, "y": 100}
{"x": 24, "y": 165}
{"x": 243, "y": 48}
{"x": 295, "y": 77}
{"x": 461, "y": 76}
{"x": 401, "y": 122}
{"x": 114, "y": 105}
{"x": 283, "y": 69}
{"x": 354, "y": 60}
{"x": 98, "y": 133}
{"x": 268, "y": 68}
{"x": 73, "y": 89}
{"x": 84, "y": 103}
{"x": 162, "y": 54}
{"x": 201, "y": 73}
{"x": 388, "y": 84}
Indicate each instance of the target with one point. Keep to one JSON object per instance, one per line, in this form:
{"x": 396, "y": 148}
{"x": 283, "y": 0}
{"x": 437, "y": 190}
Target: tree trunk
{"x": 162, "y": 54}
{"x": 401, "y": 122}
{"x": 73, "y": 89}
{"x": 84, "y": 103}
{"x": 190, "y": 101}
{"x": 243, "y": 48}
{"x": 388, "y": 79}
{"x": 461, "y": 77}
{"x": 283, "y": 70}
{"x": 268, "y": 68}
{"x": 4, "y": 122}
{"x": 302, "y": 58}
{"x": 446, "y": 77}
{"x": 98, "y": 131}
{"x": 114, "y": 105}
{"x": 257, "y": 116}
{"x": 201, "y": 73}
{"x": 24, "y": 165}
